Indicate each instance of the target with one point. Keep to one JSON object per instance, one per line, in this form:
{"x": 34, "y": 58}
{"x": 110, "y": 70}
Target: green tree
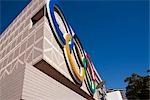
{"x": 138, "y": 87}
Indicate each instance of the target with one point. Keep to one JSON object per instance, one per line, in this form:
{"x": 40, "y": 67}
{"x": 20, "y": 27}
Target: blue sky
{"x": 114, "y": 33}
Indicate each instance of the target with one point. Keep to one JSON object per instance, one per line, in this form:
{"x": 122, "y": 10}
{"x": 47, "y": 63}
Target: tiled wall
{"x": 19, "y": 38}
{"x": 20, "y": 43}
{"x": 11, "y": 86}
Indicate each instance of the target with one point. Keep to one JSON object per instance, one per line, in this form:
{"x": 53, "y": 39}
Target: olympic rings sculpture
{"x": 79, "y": 63}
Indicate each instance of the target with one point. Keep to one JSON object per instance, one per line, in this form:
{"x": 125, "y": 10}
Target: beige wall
{"x": 11, "y": 86}
{"x": 39, "y": 86}
{"x": 17, "y": 39}
{"x": 15, "y": 51}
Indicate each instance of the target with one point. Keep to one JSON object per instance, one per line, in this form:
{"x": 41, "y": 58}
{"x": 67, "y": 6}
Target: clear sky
{"x": 114, "y": 33}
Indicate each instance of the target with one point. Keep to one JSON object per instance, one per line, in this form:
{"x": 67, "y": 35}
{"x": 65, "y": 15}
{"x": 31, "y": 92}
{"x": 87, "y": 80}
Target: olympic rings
{"x": 79, "y": 63}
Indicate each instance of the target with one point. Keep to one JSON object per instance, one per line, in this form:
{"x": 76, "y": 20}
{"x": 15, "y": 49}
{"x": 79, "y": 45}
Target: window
{"x": 38, "y": 15}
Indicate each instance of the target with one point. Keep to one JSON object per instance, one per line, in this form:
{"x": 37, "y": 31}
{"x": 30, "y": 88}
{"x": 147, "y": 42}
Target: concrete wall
{"x": 11, "y": 86}
{"x": 18, "y": 38}
{"x": 16, "y": 49}
{"x": 39, "y": 86}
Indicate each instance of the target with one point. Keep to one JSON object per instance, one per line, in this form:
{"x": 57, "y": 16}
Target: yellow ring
{"x": 80, "y": 75}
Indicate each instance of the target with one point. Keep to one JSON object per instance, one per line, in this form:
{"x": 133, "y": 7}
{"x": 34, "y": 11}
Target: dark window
{"x": 38, "y": 16}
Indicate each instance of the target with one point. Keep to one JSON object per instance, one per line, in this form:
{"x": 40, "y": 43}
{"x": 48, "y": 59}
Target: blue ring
{"x": 60, "y": 34}
{"x": 51, "y": 6}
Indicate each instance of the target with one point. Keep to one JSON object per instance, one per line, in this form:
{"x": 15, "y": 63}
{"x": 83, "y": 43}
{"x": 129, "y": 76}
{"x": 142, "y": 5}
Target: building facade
{"x": 116, "y": 94}
{"x": 41, "y": 58}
